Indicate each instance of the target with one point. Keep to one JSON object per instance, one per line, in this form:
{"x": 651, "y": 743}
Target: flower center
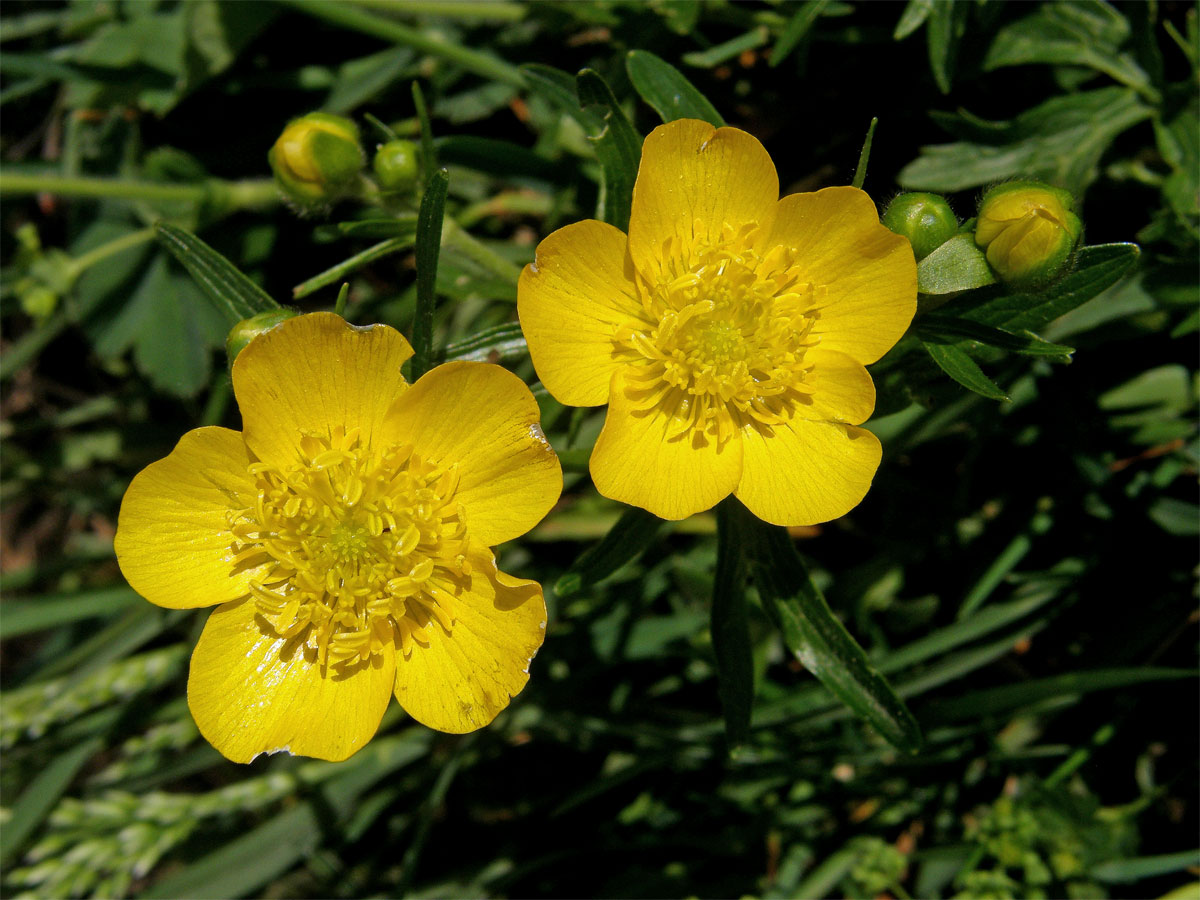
{"x": 359, "y": 548}
{"x": 725, "y": 337}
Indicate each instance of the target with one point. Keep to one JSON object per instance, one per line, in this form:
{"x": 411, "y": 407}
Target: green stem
{"x": 368, "y": 23}
{"x": 82, "y": 263}
{"x": 454, "y": 235}
{"x": 485, "y": 10}
{"x": 233, "y": 194}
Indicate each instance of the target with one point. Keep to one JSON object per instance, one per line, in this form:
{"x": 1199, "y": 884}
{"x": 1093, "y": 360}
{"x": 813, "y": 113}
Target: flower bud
{"x": 925, "y": 219}
{"x": 395, "y": 165}
{"x": 317, "y": 158}
{"x": 248, "y": 329}
{"x": 1028, "y": 231}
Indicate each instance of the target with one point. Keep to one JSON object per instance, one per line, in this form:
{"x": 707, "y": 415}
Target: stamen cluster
{"x": 728, "y": 337}
{"x": 360, "y": 548}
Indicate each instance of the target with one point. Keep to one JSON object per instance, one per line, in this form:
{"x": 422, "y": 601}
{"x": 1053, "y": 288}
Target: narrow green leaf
{"x": 914, "y": 16}
{"x": 618, "y": 148}
{"x": 714, "y": 56}
{"x": 428, "y": 151}
{"x": 955, "y": 362}
{"x": 232, "y": 292}
{"x": 797, "y": 27}
{"x": 558, "y": 87}
{"x": 947, "y": 21}
{"x": 429, "y": 245}
{"x": 490, "y": 345}
{"x": 957, "y": 265}
{"x": 942, "y": 329}
{"x": 1003, "y": 564}
{"x": 27, "y": 616}
{"x": 667, "y": 90}
{"x": 819, "y": 641}
{"x": 1125, "y": 870}
{"x": 731, "y": 630}
{"x": 860, "y": 171}
{"x": 36, "y": 801}
{"x": 1012, "y": 696}
{"x": 365, "y": 258}
{"x": 1096, "y": 269}
{"x": 625, "y": 541}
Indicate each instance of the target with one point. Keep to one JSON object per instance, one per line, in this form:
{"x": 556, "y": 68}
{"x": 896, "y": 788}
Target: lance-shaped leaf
{"x": 618, "y": 148}
{"x": 817, "y": 638}
{"x": 944, "y": 329}
{"x": 957, "y": 363}
{"x": 667, "y": 90}
{"x": 625, "y": 541}
{"x": 233, "y": 293}
{"x": 1096, "y": 269}
{"x": 429, "y": 245}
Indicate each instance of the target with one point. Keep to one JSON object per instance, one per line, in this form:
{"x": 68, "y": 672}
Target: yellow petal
{"x": 571, "y": 299}
{"x": 173, "y": 541}
{"x": 693, "y": 181}
{"x": 637, "y": 461}
{"x": 253, "y": 692}
{"x": 842, "y": 390}
{"x": 804, "y": 472}
{"x": 483, "y": 419}
{"x": 868, "y": 273}
{"x": 315, "y": 373}
{"x": 462, "y": 680}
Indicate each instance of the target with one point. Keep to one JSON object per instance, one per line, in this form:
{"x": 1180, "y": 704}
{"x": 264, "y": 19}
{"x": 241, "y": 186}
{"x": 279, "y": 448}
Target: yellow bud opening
{"x": 1028, "y": 232}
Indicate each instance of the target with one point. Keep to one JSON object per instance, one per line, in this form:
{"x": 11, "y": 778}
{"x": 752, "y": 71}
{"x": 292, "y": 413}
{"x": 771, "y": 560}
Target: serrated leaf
{"x": 957, "y": 265}
{"x": 667, "y": 90}
{"x": 816, "y": 637}
{"x": 956, "y": 363}
{"x": 618, "y": 148}
{"x": 1096, "y": 269}
{"x": 233, "y": 293}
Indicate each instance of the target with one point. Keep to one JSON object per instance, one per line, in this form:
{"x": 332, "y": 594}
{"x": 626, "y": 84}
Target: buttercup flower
{"x": 343, "y": 536}
{"x": 728, "y": 332}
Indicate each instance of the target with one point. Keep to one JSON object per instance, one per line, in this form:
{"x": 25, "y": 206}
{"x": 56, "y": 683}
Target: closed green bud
{"x": 925, "y": 219}
{"x": 317, "y": 159}
{"x": 1028, "y": 231}
{"x": 248, "y": 329}
{"x": 395, "y": 165}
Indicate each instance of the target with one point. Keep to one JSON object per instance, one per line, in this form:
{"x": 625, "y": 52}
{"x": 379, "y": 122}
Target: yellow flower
{"x": 345, "y": 533}
{"x": 728, "y": 332}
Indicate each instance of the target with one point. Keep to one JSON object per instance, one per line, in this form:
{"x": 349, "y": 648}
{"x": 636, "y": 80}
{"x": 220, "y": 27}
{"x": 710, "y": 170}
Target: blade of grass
{"x": 336, "y": 273}
{"x": 41, "y": 795}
